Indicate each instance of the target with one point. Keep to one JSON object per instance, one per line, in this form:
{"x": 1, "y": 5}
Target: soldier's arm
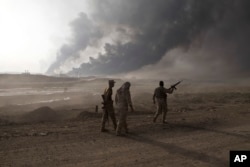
{"x": 169, "y": 91}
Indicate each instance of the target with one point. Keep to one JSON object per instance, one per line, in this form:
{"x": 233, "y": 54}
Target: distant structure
{"x": 26, "y": 72}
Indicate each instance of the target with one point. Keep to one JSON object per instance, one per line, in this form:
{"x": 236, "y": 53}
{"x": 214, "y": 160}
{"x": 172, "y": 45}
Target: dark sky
{"x": 184, "y": 38}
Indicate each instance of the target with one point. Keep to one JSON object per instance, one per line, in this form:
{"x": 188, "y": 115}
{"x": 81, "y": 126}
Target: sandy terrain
{"x": 55, "y": 124}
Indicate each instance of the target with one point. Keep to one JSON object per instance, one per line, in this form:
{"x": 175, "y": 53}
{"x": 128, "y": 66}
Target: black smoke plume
{"x": 219, "y": 26}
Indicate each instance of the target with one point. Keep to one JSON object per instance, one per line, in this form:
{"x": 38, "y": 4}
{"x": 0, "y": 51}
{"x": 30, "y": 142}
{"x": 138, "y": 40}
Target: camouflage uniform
{"x": 123, "y": 100}
{"x": 160, "y": 94}
{"x": 108, "y": 111}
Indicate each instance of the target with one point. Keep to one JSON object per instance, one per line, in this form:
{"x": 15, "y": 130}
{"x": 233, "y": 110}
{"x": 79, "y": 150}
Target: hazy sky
{"x": 31, "y": 31}
{"x": 202, "y": 39}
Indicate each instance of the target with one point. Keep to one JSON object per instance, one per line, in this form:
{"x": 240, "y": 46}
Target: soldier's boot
{"x": 103, "y": 129}
{"x": 103, "y": 126}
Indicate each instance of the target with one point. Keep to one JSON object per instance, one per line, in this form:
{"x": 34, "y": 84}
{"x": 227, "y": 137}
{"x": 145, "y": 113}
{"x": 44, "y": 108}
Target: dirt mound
{"x": 40, "y": 115}
{"x": 87, "y": 115}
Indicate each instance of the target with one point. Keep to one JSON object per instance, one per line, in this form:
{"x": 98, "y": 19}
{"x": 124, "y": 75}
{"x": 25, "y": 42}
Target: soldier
{"x": 160, "y": 94}
{"x": 108, "y": 109}
{"x": 123, "y": 100}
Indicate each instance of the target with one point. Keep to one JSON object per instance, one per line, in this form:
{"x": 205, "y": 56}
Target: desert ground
{"x": 50, "y": 121}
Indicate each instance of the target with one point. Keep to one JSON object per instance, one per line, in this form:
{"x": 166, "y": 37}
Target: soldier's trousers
{"x": 122, "y": 120}
{"x": 161, "y": 109}
{"x": 108, "y": 112}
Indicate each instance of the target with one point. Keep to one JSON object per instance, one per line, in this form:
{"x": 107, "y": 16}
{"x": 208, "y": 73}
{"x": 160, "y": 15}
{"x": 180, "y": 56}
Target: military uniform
{"x": 123, "y": 101}
{"x": 160, "y": 94}
{"x": 108, "y": 110}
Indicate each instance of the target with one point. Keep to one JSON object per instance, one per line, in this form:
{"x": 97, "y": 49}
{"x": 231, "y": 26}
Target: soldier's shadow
{"x": 200, "y": 128}
{"x": 141, "y": 135}
{"x": 174, "y": 149}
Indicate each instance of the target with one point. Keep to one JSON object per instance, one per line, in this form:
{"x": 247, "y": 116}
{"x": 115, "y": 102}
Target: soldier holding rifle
{"x": 108, "y": 108}
{"x": 160, "y": 97}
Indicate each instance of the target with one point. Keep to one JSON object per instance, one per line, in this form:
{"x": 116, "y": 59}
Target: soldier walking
{"x": 123, "y": 101}
{"x": 108, "y": 108}
{"x": 160, "y": 94}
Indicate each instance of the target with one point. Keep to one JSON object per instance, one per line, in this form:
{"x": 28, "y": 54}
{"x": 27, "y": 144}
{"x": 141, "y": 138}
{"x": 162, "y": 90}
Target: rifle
{"x": 104, "y": 107}
{"x": 174, "y": 85}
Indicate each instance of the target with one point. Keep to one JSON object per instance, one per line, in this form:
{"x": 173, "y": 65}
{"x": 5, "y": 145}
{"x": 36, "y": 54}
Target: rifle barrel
{"x": 174, "y": 85}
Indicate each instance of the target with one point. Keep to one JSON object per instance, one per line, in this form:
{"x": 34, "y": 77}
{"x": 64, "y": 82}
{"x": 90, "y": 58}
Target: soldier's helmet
{"x": 161, "y": 83}
{"x": 111, "y": 82}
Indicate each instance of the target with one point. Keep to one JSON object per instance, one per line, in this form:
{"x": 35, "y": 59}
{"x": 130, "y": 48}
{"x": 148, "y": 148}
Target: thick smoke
{"x": 85, "y": 33}
{"x": 212, "y": 34}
